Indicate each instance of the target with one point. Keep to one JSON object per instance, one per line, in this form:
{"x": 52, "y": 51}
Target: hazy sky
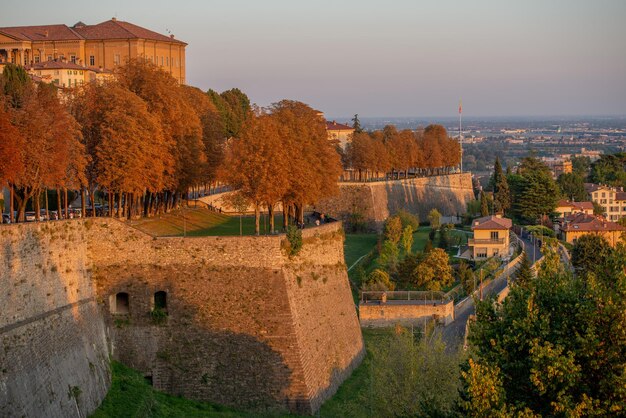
{"x": 387, "y": 58}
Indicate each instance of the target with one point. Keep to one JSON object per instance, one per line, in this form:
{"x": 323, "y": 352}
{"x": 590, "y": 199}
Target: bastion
{"x": 233, "y": 320}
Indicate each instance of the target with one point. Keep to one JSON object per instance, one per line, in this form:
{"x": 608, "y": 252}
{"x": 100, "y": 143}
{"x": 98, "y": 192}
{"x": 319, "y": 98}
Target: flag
{"x": 460, "y": 107}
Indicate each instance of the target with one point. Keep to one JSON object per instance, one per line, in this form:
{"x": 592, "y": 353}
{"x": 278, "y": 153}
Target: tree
{"x": 432, "y": 271}
{"x": 551, "y": 347}
{"x": 389, "y": 255}
{"x": 378, "y": 280}
{"x": 609, "y": 169}
{"x": 572, "y": 186}
{"x": 500, "y": 187}
{"x": 484, "y": 206}
{"x": 407, "y": 239}
{"x": 256, "y": 164}
{"x": 524, "y": 274}
{"x": 590, "y": 252}
{"x": 356, "y": 124}
{"x": 466, "y": 277}
{"x": 393, "y": 229}
{"x": 434, "y": 217}
{"x": 535, "y": 192}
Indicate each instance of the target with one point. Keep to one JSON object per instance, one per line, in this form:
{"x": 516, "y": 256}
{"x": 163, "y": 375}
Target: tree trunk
{"x": 59, "y": 207}
{"x": 46, "y": 204}
{"x": 37, "y": 205}
{"x": 270, "y": 212}
{"x": 285, "y": 215}
{"x": 257, "y": 217}
{"x": 67, "y": 205}
{"x": 11, "y": 202}
{"x": 83, "y": 203}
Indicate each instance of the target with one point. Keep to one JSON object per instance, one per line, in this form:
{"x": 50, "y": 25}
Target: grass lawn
{"x": 358, "y": 245}
{"x": 132, "y": 396}
{"x": 202, "y": 222}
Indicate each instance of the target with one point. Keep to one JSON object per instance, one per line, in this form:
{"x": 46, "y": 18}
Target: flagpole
{"x": 460, "y": 133}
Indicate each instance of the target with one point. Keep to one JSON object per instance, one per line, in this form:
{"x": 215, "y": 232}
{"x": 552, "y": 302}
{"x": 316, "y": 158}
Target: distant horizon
{"x": 563, "y": 58}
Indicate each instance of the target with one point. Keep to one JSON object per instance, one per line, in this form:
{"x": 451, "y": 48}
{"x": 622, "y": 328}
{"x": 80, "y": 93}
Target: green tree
{"x": 434, "y": 217}
{"x": 378, "y": 280}
{"x": 356, "y": 124}
{"x": 581, "y": 166}
{"x": 538, "y": 353}
{"x": 535, "y": 192}
{"x": 572, "y": 186}
{"x": 393, "y": 229}
{"x": 524, "y": 274}
{"x": 466, "y": 277}
{"x": 500, "y": 187}
{"x": 408, "y": 219}
{"x": 432, "y": 272}
{"x": 388, "y": 257}
{"x": 484, "y": 206}
{"x": 407, "y": 239}
{"x": 590, "y": 252}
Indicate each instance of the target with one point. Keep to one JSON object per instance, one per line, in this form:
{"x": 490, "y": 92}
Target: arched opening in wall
{"x": 160, "y": 300}
{"x": 120, "y": 303}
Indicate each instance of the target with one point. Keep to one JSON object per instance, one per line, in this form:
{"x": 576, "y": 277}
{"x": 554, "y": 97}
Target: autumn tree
{"x": 256, "y": 164}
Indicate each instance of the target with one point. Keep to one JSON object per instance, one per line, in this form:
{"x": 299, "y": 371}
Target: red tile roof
{"x": 59, "y": 65}
{"x": 575, "y": 205}
{"x": 111, "y": 29}
{"x": 334, "y": 126}
{"x": 492, "y": 222}
{"x": 620, "y": 196}
{"x": 589, "y": 223}
{"x": 117, "y": 29}
{"x": 41, "y": 33}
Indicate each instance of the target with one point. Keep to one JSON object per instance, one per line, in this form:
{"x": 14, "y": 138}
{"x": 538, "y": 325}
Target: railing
{"x": 474, "y": 241}
{"x": 409, "y": 295}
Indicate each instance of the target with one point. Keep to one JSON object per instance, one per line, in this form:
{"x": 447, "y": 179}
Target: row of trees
{"x": 428, "y": 151}
{"x": 142, "y": 140}
{"x": 282, "y": 155}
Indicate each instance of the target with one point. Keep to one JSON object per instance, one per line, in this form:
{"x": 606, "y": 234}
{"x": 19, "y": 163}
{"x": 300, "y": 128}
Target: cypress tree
{"x": 484, "y": 206}
{"x": 524, "y": 273}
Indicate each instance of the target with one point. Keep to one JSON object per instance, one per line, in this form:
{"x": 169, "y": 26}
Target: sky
{"x": 387, "y": 58}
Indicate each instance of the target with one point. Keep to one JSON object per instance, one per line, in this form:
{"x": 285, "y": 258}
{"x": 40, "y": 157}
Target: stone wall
{"x": 376, "y": 201}
{"x": 53, "y": 355}
{"x": 246, "y": 325}
{"x": 377, "y": 314}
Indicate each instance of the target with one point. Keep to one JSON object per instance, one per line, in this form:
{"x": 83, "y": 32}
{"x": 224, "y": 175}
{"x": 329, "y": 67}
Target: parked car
{"x": 30, "y": 217}
{"x": 78, "y": 213}
{"x": 54, "y": 215}
{"x": 6, "y": 218}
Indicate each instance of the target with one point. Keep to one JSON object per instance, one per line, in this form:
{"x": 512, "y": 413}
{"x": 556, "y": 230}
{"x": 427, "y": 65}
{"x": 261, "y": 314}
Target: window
{"x": 161, "y": 61}
{"x": 49, "y": 57}
{"x": 92, "y": 60}
{"x": 116, "y": 59}
{"x": 160, "y": 300}
{"x": 120, "y": 303}
{"x": 167, "y": 61}
{"x": 603, "y": 194}
{"x": 36, "y": 59}
{"x": 73, "y": 58}
{"x": 56, "y": 81}
{"x": 494, "y": 234}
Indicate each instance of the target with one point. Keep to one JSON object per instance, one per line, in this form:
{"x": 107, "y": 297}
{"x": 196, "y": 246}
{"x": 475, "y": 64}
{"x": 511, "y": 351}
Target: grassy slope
{"x": 358, "y": 245}
{"x": 201, "y": 222}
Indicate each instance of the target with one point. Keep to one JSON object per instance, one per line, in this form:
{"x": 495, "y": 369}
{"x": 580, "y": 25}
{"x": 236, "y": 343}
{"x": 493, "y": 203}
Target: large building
{"x": 340, "y": 133}
{"x": 491, "y": 237}
{"x": 97, "y": 47}
{"x": 579, "y": 224}
{"x": 612, "y": 200}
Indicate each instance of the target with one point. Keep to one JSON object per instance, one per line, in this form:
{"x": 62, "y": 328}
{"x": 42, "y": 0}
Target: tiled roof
{"x": 575, "y": 205}
{"x": 589, "y": 223}
{"x": 57, "y": 65}
{"x": 117, "y": 29}
{"x": 492, "y": 222}
{"x": 591, "y": 187}
{"x": 41, "y": 33}
{"x": 334, "y": 126}
{"x": 620, "y": 196}
{"x": 111, "y": 29}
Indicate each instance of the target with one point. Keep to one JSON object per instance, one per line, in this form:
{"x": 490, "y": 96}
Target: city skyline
{"x": 397, "y": 60}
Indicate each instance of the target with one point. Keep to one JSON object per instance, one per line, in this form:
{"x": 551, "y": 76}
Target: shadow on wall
{"x": 189, "y": 352}
{"x": 54, "y": 358}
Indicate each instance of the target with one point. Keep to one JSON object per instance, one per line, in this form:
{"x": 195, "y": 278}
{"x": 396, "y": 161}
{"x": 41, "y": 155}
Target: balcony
{"x": 494, "y": 241}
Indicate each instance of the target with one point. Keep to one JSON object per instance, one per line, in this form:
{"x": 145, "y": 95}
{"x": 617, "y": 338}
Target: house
{"x": 579, "y": 224}
{"x": 612, "y": 200}
{"x": 565, "y": 208}
{"x": 340, "y": 133}
{"x": 491, "y": 237}
{"x": 104, "y": 45}
{"x": 66, "y": 74}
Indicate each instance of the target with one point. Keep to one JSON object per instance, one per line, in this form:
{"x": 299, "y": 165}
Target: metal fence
{"x": 405, "y": 295}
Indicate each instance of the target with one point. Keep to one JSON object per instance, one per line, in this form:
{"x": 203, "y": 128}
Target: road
{"x": 453, "y": 335}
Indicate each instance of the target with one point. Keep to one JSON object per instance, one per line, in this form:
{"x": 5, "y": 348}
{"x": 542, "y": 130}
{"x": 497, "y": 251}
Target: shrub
{"x": 408, "y": 219}
{"x": 294, "y": 236}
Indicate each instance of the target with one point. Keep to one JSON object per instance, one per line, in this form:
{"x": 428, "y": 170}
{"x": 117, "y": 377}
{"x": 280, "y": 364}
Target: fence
{"x": 404, "y": 295}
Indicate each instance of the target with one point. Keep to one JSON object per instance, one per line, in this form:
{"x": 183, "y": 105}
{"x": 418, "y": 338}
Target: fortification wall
{"x": 247, "y": 325}
{"x": 375, "y": 314}
{"x": 376, "y": 201}
{"x": 53, "y": 354}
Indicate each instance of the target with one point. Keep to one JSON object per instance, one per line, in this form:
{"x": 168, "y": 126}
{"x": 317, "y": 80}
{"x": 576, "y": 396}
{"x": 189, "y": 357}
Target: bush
{"x": 378, "y": 280}
{"x": 408, "y": 219}
{"x": 294, "y": 236}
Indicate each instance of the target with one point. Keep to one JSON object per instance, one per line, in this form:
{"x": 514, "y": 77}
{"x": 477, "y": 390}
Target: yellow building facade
{"x": 491, "y": 237}
{"x": 582, "y": 224}
{"x": 103, "y": 46}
